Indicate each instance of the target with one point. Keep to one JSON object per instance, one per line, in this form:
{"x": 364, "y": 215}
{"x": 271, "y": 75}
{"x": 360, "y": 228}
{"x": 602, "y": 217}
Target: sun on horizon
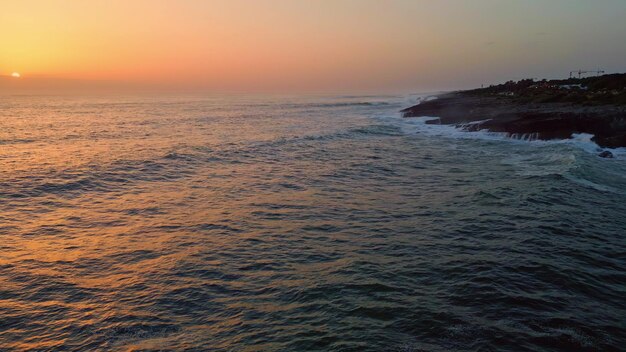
{"x": 16, "y": 75}
{"x": 299, "y": 46}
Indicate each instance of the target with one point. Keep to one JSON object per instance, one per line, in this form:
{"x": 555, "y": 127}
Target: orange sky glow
{"x": 291, "y": 45}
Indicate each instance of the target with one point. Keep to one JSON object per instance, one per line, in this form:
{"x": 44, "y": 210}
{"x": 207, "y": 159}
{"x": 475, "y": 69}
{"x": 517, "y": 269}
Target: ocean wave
{"x": 343, "y": 104}
{"x": 582, "y": 141}
{"x": 575, "y": 159}
{"x": 115, "y": 176}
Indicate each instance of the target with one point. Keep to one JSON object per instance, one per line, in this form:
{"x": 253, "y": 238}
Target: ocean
{"x": 291, "y": 223}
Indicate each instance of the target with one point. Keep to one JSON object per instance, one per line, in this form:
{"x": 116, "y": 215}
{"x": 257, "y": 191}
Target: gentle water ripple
{"x": 292, "y": 225}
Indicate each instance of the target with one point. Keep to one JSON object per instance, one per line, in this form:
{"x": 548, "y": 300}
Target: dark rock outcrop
{"x": 606, "y": 154}
{"x": 529, "y": 120}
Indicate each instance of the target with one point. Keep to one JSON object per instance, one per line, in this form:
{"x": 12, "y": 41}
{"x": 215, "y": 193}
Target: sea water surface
{"x": 299, "y": 224}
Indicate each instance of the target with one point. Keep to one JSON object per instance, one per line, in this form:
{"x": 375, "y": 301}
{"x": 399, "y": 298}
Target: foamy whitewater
{"x": 300, "y": 224}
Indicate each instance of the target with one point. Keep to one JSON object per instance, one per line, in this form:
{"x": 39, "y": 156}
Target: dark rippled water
{"x": 299, "y": 224}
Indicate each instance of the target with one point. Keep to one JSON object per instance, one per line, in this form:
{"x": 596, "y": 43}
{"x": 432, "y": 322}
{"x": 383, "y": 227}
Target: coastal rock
{"x": 606, "y": 154}
{"x": 530, "y": 109}
{"x": 543, "y": 121}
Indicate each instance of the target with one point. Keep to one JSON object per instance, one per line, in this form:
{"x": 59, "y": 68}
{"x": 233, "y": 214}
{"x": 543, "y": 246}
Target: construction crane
{"x": 581, "y": 72}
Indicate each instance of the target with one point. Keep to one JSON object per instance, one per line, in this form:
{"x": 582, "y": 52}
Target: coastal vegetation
{"x": 598, "y": 90}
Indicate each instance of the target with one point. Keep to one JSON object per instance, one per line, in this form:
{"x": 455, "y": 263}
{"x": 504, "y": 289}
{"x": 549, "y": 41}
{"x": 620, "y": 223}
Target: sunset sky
{"x": 303, "y": 46}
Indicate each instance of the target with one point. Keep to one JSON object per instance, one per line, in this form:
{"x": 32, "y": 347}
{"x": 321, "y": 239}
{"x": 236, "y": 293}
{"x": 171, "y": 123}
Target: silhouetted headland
{"x": 545, "y": 110}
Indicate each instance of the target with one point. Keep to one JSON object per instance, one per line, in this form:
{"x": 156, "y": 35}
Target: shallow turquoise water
{"x": 299, "y": 223}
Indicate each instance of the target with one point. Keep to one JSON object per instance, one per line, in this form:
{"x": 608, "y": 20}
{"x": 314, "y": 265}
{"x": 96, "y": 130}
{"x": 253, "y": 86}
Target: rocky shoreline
{"x": 520, "y": 115}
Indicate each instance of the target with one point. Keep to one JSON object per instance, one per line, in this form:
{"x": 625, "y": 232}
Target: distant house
{"x": 573, "y": 86}
{"x": 543, "y": 85}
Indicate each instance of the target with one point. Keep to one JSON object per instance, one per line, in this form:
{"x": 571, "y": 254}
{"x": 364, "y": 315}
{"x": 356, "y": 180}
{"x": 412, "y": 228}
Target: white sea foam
{"x": 415, "y": 125}
{"x": 533, "y": 157}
